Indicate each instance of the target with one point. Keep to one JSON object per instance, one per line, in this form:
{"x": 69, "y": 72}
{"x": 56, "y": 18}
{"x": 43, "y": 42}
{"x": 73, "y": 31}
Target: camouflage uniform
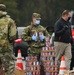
{"x": 36, "y": 46}
{"x": 7, "y": 34}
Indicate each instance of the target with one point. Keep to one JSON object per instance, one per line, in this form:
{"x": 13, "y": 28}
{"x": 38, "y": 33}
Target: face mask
{"x": 37, "y": 22}
{"x": 68, "y": 18}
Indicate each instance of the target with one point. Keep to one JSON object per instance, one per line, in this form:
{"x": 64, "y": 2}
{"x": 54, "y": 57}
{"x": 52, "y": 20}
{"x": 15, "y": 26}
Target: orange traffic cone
{"x": 19, "y": 63}
{"x": 62, "y": 66}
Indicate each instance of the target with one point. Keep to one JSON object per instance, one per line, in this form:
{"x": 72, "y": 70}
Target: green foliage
{"x": 50, "y": 10}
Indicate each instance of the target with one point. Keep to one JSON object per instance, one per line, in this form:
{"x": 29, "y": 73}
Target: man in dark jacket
{"x": 63, "y": 39}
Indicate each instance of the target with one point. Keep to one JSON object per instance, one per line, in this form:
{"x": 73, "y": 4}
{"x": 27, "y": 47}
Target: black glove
{"x": 65, "y": 27}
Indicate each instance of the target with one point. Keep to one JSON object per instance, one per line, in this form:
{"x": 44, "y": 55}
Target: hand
{"x": 41, "y": 37}
{"x": 34, "y": 37}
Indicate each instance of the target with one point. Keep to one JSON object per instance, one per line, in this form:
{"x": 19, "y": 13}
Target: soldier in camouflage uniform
{"x": 7, "y": 35}
{"x": 35, "y": 35}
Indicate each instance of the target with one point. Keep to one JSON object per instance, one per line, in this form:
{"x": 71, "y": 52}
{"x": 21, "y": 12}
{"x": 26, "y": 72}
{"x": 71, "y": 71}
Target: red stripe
{"x": 19, "y": 58}
{"x": 63, "y": 68}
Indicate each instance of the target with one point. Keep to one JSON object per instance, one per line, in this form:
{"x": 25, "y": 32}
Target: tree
{"x": 50, "y": 10}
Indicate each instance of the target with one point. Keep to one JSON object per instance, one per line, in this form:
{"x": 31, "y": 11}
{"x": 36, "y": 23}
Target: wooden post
{"x": 18, "y": 72}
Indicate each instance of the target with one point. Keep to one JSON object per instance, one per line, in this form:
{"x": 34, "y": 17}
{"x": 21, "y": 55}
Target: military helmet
{"x": 2, "y": 7}
{"x": 36, "y": 15}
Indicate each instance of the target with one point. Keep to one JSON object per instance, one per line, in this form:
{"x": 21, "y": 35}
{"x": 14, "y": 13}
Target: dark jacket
{"x": 62, "y": 31}
{"x": 23, "y": 46}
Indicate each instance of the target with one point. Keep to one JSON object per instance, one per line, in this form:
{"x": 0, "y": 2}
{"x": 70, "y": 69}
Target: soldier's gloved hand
{"x": 41, "y": 37}
{"x": 34, "y": 37}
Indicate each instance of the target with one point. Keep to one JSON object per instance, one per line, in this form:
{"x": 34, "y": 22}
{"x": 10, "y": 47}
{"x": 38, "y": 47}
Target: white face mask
{"x": 37, "y": 22}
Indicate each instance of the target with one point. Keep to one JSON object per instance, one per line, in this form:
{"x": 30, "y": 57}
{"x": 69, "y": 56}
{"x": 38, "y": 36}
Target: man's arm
{"x": 11, "y": 30}
{"x": 26, "y": 36}
{"x": 58, "y": 29}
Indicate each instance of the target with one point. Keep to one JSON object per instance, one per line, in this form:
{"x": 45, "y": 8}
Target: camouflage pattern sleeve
{"x": 12, "y": 30}
{"x": 26, "y": 34}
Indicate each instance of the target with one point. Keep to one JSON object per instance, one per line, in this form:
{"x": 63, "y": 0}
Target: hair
{"x": 65, "y": 12}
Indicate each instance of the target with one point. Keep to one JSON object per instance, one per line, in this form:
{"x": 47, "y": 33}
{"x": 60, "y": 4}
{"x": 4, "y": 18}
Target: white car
{"x": 19, "y": 31}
